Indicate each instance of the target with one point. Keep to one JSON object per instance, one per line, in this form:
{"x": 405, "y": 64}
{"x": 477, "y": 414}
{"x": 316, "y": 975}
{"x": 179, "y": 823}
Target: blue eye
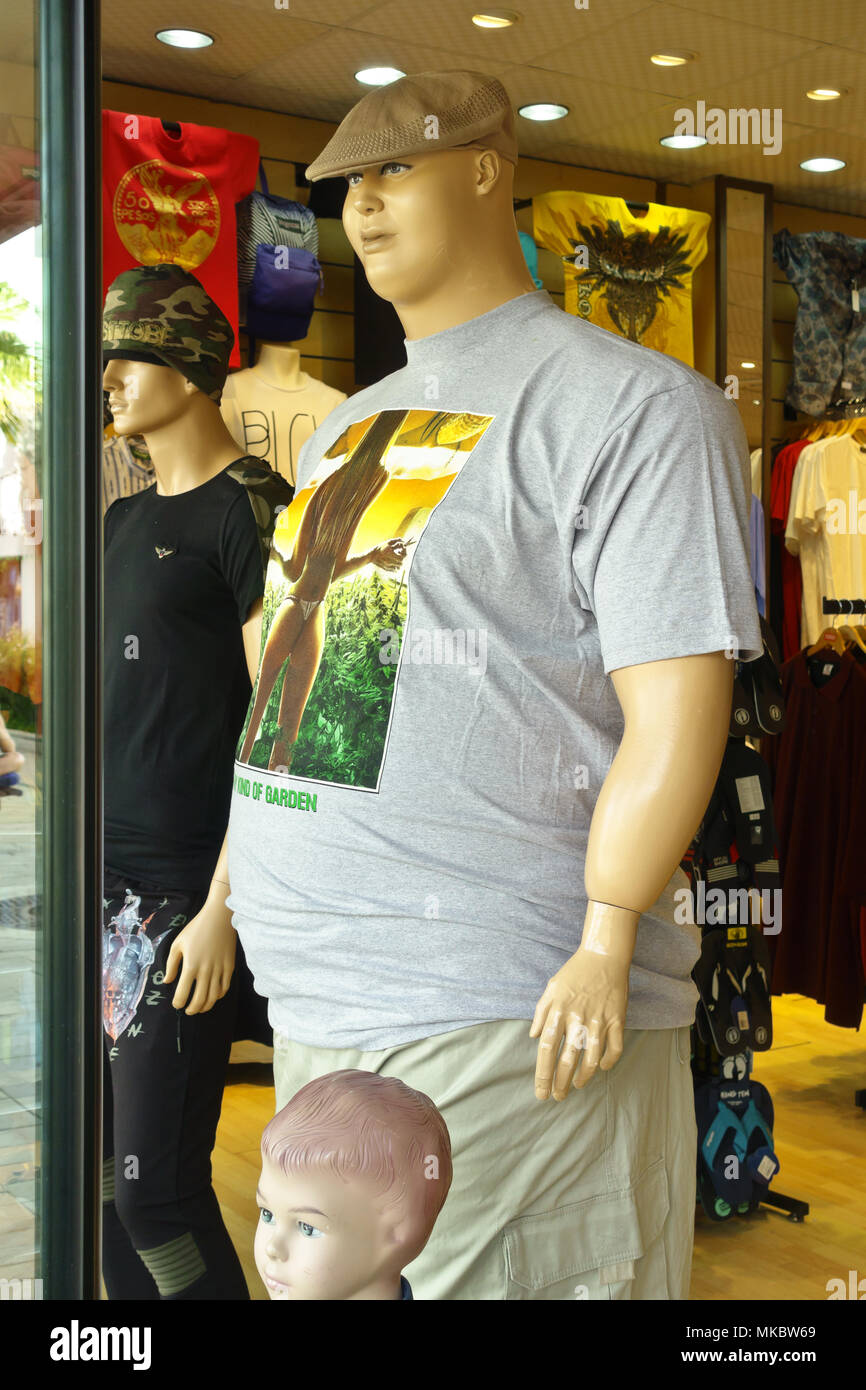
{"x": 267, "y": 1216}
{"x": 307, "y": 1230}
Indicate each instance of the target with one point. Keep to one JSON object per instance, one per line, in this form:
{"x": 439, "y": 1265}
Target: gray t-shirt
{"x": 531, "y": 503}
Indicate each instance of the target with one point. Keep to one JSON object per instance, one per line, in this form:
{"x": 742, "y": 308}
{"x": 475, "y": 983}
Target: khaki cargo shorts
{"x": 588, "y": 1198}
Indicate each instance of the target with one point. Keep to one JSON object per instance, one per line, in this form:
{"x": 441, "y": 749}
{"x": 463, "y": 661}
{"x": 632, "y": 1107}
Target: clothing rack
{"x": 856, "y": 403}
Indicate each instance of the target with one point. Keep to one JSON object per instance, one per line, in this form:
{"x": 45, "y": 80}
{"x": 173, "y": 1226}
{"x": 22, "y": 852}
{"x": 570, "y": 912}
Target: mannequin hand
{"x": 584, "y": 1004}
{"x": 206, "y": 950}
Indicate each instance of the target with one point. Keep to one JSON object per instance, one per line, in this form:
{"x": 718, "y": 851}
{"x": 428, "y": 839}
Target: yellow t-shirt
{"x": 633, "y": 271}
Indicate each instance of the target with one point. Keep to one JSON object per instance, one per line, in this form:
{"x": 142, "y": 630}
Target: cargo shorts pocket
{"x": 605, "y": 1247}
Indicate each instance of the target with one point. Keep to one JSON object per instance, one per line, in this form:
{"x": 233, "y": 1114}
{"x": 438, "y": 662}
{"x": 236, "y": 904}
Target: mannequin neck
{"x": 486, "y": 268}
{"x": 280, "y": 366}
{"x": 191, "y": 449}
{"x": 446, "y": 310}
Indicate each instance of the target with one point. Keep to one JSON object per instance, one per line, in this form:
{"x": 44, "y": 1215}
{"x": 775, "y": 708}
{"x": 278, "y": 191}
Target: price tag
{"x": 749, "y": 793}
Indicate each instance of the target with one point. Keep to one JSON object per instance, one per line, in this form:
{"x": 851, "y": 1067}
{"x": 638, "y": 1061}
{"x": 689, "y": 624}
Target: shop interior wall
{"x": 327, "y": 351}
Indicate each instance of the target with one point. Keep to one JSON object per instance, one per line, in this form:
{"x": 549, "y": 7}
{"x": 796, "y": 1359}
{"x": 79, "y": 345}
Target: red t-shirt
{"x": 172, "y": 198}
{"x": 792, "y": 579}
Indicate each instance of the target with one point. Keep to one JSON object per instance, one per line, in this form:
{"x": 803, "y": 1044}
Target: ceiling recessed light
{"x": 824, "y": 93}
{"x": 747, "y": 365}
{"x": 822, "y": 165}
{"x": 683, "y": 142}
{"x": 543, "y": 111}
{"x": 673, "y": 58}
{"x": 378, "y": 77}
{"x": 495, "y": 19}
{"x": 184, "y": 38}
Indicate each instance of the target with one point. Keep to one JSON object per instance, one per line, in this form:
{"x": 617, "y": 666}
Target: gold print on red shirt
{"x": 164, "y": 212}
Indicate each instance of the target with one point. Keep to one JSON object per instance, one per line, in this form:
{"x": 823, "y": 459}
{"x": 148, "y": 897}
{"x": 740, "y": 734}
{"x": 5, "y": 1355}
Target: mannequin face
{"x": 319, "y": 1237}
{"x": 144, "y": 397}
{"x": 425, "y": 212}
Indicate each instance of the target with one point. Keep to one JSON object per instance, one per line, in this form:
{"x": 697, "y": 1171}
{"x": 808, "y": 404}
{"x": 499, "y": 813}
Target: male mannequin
{"x": 355, "y": 1170}
{"x": 271, "y": 409}
{"x": 556, "y": 541}
{"x": 183, "y": 595}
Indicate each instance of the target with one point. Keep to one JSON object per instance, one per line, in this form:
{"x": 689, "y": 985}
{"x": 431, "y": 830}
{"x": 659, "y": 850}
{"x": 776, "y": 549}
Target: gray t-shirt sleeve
{"x": 661, "y": 542}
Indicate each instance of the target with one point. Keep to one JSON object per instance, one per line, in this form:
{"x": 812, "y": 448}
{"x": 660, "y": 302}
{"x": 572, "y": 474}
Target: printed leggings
{"x": 163, "y": 1232}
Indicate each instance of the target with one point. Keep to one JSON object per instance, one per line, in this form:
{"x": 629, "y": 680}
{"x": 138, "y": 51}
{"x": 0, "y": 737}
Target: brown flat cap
{"x": 420, "y": 114}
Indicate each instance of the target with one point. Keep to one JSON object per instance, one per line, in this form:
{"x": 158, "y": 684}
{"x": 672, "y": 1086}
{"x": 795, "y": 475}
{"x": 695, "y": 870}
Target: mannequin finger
{"x": 575, "y": 1040}
{"x": 175, "y": 956}
{"x": 202, "y": 989}
{"x": 548, "y": 1050}
{"x": 214, "y": 994}
{"x": 184, "y": 985}
{"x": 589, "y": 1061}
{"x": 541, "y": 1009}
{"x": 613, "y": 1050}
{"x": 568, "y": 1059}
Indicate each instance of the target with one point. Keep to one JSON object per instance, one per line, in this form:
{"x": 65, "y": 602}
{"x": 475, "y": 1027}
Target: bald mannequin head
{"x": 355, "y": 1170}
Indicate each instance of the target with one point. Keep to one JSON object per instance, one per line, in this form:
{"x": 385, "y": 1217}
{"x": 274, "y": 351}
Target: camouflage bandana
{"x": 268, "y": 494}
{"x": 165, "y": 311}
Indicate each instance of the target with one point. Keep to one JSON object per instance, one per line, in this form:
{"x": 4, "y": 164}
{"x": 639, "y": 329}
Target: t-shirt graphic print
{"x": 335, "y": 603}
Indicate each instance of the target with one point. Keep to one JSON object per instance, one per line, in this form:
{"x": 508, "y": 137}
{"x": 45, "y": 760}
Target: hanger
{"x": 830, "y": 638}
{"x": 852, "y": 635}
{"x": 833, "y": 429}
{"x": 171, "y": 127}
{"x": 637, "y": 207}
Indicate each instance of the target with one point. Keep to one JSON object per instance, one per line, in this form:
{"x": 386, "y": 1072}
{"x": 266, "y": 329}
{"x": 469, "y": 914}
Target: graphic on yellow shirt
{"x": 630, "y": 274}
{"x": 335, "y": 600}
{"x": 164, "y": 212}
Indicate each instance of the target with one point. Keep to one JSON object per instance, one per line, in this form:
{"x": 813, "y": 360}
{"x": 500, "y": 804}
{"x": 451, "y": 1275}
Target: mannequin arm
{"x": 676, "y": 715}
{"x": 206, "y": 946}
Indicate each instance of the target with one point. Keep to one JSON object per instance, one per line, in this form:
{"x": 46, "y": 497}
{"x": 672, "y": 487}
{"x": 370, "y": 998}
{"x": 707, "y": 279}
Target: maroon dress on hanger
{"x": 819, "y": 765}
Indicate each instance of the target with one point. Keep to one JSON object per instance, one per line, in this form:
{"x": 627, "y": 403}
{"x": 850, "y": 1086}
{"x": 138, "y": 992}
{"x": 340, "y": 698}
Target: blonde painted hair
{"x": 357, "y": 1124}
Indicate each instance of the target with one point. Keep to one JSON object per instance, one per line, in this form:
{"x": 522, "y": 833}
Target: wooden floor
{"x": 812, "y": 1073}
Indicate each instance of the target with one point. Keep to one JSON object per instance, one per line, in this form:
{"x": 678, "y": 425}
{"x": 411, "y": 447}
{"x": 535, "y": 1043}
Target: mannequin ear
{"x": 489, "y": 170}
{"x": 401, "y": 1231}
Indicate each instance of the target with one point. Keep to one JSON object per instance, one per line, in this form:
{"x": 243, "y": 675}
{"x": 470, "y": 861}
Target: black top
{"x": 181, "y": 574}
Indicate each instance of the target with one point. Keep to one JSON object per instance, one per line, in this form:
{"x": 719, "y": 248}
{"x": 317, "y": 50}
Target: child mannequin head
{"x": 355, "y": 1170}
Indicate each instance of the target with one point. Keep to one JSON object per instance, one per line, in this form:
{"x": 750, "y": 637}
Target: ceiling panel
{"x": 246, "y": 36}
{"x": 784, "y": 87}
{"x": 840, "y": 22}
{"x": 319, "y": 79}
{"x": 593, "y": 105}
{"x": 543, "y": 28}
{"x": 622, "y": 55}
